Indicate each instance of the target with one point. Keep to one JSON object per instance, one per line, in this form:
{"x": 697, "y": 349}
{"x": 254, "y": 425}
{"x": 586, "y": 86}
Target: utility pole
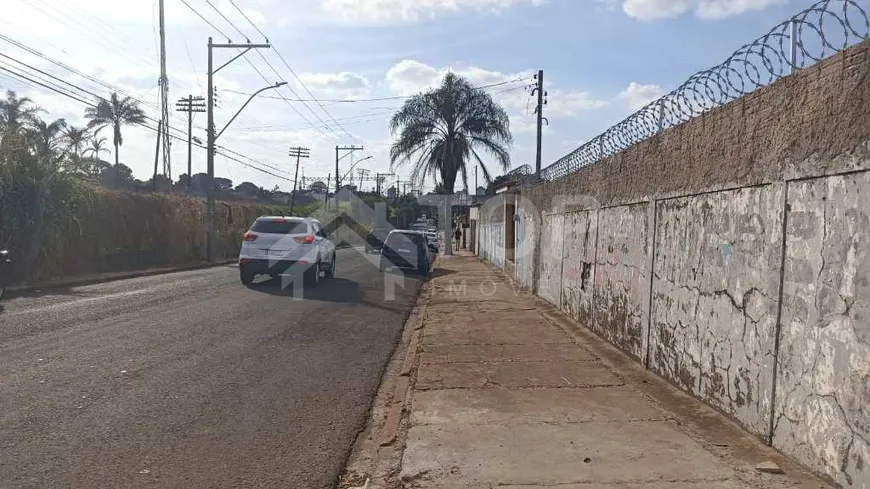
{"x": 211, "y": 242}
{"x": 164, "y": 98}
{"x": 380, "y": 179}
{"x": 326, "y": 197}
{"x": 475, "y": 179}
{"x": 190, "y": 105}
{"x": 156, "y": 157}
{"x": 351, "y": 149}
{"x": 299, "y": 152}
{"x": 363, "y": 174}
{"x": 539, "y": 89}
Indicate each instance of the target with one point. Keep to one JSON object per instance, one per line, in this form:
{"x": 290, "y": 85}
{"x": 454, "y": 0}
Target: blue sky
{"x": 602, "y": 60}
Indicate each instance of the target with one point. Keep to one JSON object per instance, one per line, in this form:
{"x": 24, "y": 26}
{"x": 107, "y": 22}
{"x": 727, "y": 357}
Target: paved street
{"x": 192, "y": 380}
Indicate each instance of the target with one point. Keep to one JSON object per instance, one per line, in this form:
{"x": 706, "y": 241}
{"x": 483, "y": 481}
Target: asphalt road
{"x": 193, "y": 380}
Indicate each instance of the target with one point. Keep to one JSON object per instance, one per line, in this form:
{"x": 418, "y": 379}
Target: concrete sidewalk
{"x": 509, "y": 393}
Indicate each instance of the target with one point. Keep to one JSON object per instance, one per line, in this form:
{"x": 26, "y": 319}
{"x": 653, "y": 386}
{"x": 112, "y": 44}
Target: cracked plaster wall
{"x": 714, "y": 299}
{"x": 578, "y": 258}
{"x": 622, "y": 278}
{"x": 526, "y": 242}
{"x": 822, "y": 412}
{"x": 714, "y": 333}
{"x": 550, "y": 281}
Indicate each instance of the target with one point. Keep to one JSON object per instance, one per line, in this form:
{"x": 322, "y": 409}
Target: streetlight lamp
{"x": 353, "y": 165}
{"x": 277, "y": 85}
{"x": 211, "y": 242}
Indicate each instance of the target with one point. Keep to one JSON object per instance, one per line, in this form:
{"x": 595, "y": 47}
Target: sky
{"x": 349, "y": 63}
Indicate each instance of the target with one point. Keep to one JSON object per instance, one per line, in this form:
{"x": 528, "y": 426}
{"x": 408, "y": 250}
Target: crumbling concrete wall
{"x": 724, "y": 194}
{"x": 550, "y": 283}
{"x": 527, "y": 233}
{"x": 714, "y": 298}
{"x": 822, "y": 412}
{"x": 622, "y": 278}
{"x": 578, "y": 260}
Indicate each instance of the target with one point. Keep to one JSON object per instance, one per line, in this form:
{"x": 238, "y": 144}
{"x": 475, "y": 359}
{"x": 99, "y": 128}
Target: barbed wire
{"x": 822, "y": 30}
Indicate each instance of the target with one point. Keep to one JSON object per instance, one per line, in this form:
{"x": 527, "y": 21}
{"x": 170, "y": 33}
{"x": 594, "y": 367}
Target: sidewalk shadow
{"x": 441, "y": 272}
{"x": 331, "y": 290}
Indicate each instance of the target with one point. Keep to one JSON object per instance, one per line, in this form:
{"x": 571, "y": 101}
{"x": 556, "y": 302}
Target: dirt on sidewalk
{"x": 507, "y": 392}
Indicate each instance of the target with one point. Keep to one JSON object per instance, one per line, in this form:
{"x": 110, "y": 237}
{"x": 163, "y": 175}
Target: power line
{"x": 228, "y": 20}
{"x": 381, "y": 99}
{"x": 69, "y": 94}
{"x": 249, "y": 20}
{"x": 205, "y": 20}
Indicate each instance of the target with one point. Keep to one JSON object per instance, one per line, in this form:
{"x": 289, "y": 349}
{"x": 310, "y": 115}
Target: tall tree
{"x": 96, "y": 147}
{"x": 75, "y": 138}
{"x": 16, "y": 114}
{"x": 115, "y": 112}
{"x": 46, "y": 137}
{"x": 444, "y": 129}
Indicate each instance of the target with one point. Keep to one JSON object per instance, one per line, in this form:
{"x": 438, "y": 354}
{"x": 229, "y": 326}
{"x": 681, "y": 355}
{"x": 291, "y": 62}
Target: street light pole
{"x": 211, "y": 241}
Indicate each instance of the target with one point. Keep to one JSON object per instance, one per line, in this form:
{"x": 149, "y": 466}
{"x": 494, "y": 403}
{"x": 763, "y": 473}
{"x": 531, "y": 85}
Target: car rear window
{"x": 397, "y": 239}
{"x": 273, "y": 226}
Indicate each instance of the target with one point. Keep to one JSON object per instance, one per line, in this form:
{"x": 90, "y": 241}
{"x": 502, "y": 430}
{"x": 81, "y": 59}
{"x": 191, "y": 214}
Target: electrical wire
{"x": 379, "y": 99}
{"x": 228, "y": 20}
{"x": 67, "y": 93}
{"x": 249, "y": 20}
{"x": 205, "y": 20}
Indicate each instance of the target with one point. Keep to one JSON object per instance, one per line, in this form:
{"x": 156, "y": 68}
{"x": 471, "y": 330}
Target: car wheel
{"x": 330, "y": 272}
{"x": 246, "y": 277}
{"x": 311, "y": 277}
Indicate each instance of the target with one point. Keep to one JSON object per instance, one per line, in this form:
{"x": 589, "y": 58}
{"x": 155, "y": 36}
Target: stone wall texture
{"x": 731, "y": 255}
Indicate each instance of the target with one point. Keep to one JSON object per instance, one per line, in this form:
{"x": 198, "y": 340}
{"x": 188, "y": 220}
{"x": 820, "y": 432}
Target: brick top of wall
{"x": 796, "y": 126}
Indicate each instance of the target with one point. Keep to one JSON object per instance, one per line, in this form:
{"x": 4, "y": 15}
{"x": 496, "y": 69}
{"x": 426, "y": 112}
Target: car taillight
{"x": 304, "y": 239}
{"x": 249, "y": 236}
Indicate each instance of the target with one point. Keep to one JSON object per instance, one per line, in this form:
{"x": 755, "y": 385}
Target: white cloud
{"x": 571, "y": 103}
{"x": 639, "y": 95}
{"x": 656, "y": 9}
{"x": 704, "y": 9}
{"x": 336, "y": 85}
{"x": 389, "y": 11}
{"x": 408, "y": 77}
{"x": 719, "y": 9}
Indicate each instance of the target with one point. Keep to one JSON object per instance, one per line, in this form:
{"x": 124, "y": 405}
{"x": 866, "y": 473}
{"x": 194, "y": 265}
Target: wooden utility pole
{"x": 299, "y": 152}
{"x": 190, "y": 105}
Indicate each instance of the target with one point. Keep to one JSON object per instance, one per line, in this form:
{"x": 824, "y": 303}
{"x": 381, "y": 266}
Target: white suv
{"x": 278, "y": 245}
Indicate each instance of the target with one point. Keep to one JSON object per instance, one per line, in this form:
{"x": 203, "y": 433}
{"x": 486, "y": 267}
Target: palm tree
{"x": 93, "y": 164}
{"x": 16, "y": 113}
{"x": 75, "y": 139}
{"x": 46, "y": 137}
{"x": 96, "y": 148}
{"x": 115, "y": 112}
{"x": 445, "y": 128}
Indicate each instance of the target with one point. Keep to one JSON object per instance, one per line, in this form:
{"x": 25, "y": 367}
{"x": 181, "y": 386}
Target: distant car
{"x": 434, "y": 242}
{"x": 407, "y": 250}
{"x": 375, "y": 239}
{"x": 277, "y": 245}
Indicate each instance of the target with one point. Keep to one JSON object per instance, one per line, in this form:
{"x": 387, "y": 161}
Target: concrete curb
{"x": 400, "y": 397}
{"x": 18, "y": 290}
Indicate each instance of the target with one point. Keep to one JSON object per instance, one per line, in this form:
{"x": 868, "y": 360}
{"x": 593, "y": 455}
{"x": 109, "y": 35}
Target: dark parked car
{"x": 375, "y": 239}
{"x": 5, "y": 266}
{"x": 407, "y": 250}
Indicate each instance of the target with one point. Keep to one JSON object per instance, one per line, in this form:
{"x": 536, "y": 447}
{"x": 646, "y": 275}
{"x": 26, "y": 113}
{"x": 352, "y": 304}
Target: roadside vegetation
{"x": 65, "y": 210}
